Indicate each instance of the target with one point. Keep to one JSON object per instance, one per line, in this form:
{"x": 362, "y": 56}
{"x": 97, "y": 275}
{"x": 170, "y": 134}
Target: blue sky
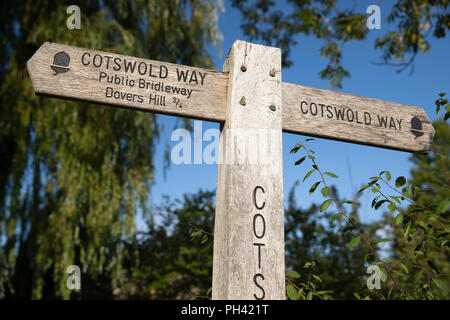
{"x": 354, "y": 164}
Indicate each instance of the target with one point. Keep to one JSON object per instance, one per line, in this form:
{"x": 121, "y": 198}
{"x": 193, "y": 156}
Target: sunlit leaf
{"x": 291, "y": 292}
{"x": 441, "y": 284}
{"x": 325, "y": 205}
{"x": 313, "y": 188}
{"x": 325, "y": 191}
{"x": 331, "y": 174}
{"x": 354, "y": 242}
{"x": 293, "y": 274}
{"x": 308, "y": 174}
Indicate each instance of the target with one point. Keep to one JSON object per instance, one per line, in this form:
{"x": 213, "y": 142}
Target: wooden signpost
{"x": 248, "y": 261}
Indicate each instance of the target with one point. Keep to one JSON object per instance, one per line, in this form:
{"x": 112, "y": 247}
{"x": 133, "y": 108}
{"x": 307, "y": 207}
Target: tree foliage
{"x": 316, "y": 246}
{"x": 73, "y": 175}
{"x": 175, "y": 254}
{"x": 337, "y": 24}
{"x": 431, "y": 182}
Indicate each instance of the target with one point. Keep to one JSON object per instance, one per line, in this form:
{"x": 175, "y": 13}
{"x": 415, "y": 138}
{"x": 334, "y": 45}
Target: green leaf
{"x": 441, "y": 284}
{"x": 295, "y": 149}
{"x": 422, "y": 224}
{"x": 309, "y": 296}
{"x": 391, "y": 207}
{"x": 331, "y": 174}
{"x": 308, "y": 174}
{"x": 335, "y": 217}
{"x": 325, "y": 191}
{"x": 433, "y": 266}
{"x": 404, "y": 268}
{"x": 400, "y": 182}
{"x": 321, "y": 292}
{"x": 310, "y": 139}
{"x": 411, "y": 190}
{"x": 325, "y": 205}
{"x": 375, "y": 190}
{"x": 293, "y": 274}
{"x": 374, "y": 201}
{"x": 195, "y": 233}
{"x": 312, "y": 157}
{"x": 379, "y": 203}
{"x": 380, "y": 240}
{"x": 398, "y": 219}
{"x": 313, "y": 188}
{"x": 364, "y": 187}
{"x": 299, "y": 161}
{"x": 204, "y": 239}
{"x": 209, "y": 291}
{"x": 383, "y": 276}
{"x": 389, "y": 293}
{"x": 354, "y": 242}
{"x": 396, "y": 199}
{"x": 317, "y": 278}
{"x": 443, "y": 206}
{"x": 350, "y": 201}
{"x": 291, "y": 292}
{"x": 307, "y": 265}
{"x": 417, "y": 276}
{"x": 388, "y": 175}
{"x": 407, "y": 227}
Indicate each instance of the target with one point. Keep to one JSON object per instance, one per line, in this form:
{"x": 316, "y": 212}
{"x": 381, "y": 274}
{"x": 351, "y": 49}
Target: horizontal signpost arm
{"x": 112, "y": 79}
{"x": 345, "y": 117}
{"x": 128, "y": 82}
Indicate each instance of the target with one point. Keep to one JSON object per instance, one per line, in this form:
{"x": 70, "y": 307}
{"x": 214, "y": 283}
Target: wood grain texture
{"x": 200, "y": 92}
{"x": 339, "y": 116}
{"x": 248, "y": 259}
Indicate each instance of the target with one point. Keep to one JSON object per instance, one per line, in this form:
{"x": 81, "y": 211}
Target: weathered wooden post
{"x": 248, "y": 260}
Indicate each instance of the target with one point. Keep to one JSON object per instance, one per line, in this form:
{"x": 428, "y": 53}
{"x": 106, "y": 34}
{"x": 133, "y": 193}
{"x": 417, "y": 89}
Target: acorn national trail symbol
{"x": 61, "y": 62}
{"x": 248, "y": 257}
{"x": 416, "y": 127}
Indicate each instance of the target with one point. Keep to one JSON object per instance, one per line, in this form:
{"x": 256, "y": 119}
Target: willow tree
{"x": 73, "y": 175}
